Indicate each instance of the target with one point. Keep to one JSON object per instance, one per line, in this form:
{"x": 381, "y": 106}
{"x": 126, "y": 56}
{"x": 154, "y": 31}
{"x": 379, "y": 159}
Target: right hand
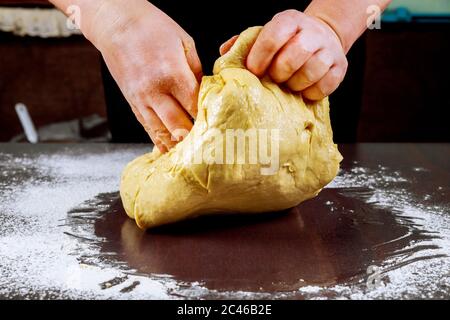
{"x": 155, "y": 64}
{"x": 300, "y": 50}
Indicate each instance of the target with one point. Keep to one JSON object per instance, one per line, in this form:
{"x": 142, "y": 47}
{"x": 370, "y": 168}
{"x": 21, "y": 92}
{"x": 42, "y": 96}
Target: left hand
{"x": 300, "y": 50}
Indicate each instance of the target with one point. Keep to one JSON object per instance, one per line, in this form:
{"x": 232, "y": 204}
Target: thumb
{"x": 226, "y": 46}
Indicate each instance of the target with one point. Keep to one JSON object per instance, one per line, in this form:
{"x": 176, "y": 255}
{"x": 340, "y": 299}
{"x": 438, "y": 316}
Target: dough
{"x": 160, "y": 188}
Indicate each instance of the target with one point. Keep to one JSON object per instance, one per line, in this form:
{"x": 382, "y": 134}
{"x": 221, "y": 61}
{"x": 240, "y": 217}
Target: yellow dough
{"x": 295, "y": 153}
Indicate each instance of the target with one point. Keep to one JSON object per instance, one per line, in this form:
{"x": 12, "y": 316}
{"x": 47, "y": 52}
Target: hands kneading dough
{"x": 295, "y": 137}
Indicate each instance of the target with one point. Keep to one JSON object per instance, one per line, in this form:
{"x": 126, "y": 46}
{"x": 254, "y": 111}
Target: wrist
{"x": 331, "y": 29}
{"x": 348, "y": 18}
{"x": 333, "y": 26}
{"x": 87, "y": 10}
{"x": 100, "y": 20}
{"x": 111, "y": 19}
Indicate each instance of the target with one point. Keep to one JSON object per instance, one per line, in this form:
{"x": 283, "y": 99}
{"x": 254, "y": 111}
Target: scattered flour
{"x": 38, "y": 259}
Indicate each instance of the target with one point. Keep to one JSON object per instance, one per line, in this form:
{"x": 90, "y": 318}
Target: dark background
{"x": 396, "y": 88}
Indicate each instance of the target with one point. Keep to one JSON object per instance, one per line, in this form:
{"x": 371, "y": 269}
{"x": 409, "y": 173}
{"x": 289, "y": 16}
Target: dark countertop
{"x": 380, "y": 230}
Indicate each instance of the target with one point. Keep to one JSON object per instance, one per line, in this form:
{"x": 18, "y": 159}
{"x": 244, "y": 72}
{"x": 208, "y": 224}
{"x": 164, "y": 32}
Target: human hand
{"x": 300, "y": 50}
{"x": 155, "y": 64}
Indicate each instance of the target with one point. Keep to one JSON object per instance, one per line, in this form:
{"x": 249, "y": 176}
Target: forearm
{"x": 348, "y": 18}
{"x": 99, "y": 17}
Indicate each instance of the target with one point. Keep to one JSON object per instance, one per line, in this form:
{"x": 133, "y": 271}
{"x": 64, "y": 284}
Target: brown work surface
{"x": 279, "y": 251}
{"x": 324, "y": 247}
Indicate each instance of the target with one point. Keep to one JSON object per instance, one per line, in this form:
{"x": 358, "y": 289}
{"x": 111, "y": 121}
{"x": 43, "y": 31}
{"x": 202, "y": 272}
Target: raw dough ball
{"x": 162, "y": 188}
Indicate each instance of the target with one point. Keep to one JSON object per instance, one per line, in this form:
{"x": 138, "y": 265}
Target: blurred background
{"x": 401, "y": 91}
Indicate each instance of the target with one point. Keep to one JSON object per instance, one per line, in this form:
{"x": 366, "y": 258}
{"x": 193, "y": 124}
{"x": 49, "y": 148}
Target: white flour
{"x": 38, "y": 260}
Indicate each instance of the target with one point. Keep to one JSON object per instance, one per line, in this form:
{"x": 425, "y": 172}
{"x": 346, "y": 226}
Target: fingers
{"x": 226, "y": 46}
{"x": 272, "y": 38}
{"x": 293, "y": 55}
{"x": 173, "y": 117}
{"x": 159, "y": 134}
{"x": 184, "y": 78}
{"x": 325, "y": 86}
{"x": 167, "y": 103}
{"x": 192, "y": 59}
{"x": 299, "y": 50}
{"x": 185, "y": 90}
{"x": 165, "y": 121}
{"x": 311, "y": 72}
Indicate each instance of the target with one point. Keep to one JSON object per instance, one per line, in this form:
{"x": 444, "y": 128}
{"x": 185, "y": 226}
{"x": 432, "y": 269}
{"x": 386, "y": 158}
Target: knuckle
{"x": 176, "y": 80}
{"x": 190, "y": 41}
{"x": 339, "y": 71}
{"x": 170, "y": 115}
{"x": 290, "y": 13}
{"x": 189, "y": 44}
{"x": 148, "y": 128}
{"x": 286, "y": 64}
{"x": 326, "y": 90}
{"x": 334, "y": 76}
{"x": 327, "y": 87}
{"x": 184, "y": 84}
{"x": 344, "y": 65}
{"x": 298, "y": 82}
{"x": 166, "y": 68}
{"x": 133, "y": 93}
{"x": 314, "y": 93}
{"x": 326, "y": 59}
{"x": 340, "y": 77}
{"x": 270, "y": 44}
{"x": 303, "y": 47}
{"x": 274, "y": 74}
{"x": 294, "y": 85}
{"x": 310, "y": 74}
{"x": 160, "y": 78}
{"x": 321, "y": 28}
{"x": 138, "y": 89}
